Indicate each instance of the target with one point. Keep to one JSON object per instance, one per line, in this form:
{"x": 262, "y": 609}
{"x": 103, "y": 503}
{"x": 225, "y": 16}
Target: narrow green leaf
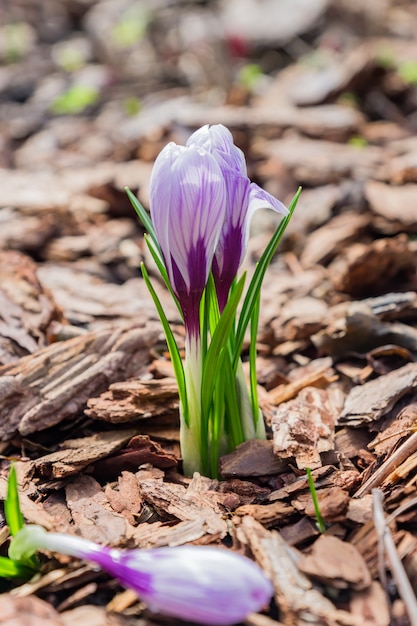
{"x": 252, "y": 360}
{"x": 162, "y": 270}
{"x": 172, "y": 345}
{"x": 14, "y": 569}
{"x": 258, "y": 276}
{"x": 219, "y": 343}
{"x": 13, "y": 514}
{"x": 320, "y": 522}
{"x": 143, "y": 216}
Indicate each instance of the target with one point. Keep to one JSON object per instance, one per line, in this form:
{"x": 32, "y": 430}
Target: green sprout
{"x": 250, "y": 75}
{"x": 407, "y": 71}
{"x": 75, "y": 100}
{"x": 319, "y": 519}
{"x": 131, "y": 27}
{"x": 23, "y": 568}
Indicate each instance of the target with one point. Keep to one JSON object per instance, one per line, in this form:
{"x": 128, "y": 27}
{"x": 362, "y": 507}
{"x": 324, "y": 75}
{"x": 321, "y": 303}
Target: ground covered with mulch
{"x": 318, "y": 93}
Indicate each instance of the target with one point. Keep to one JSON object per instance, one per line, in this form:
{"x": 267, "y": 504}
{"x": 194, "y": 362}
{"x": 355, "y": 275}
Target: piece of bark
{"x": 369, "y": 402}
{"x": 304, "y": 427}
{"x": 88, "y": 299}
{"x": 299, "y": 602}
{"x": 318, "y": 374}
{"x": 140, "y": 451}
{"x": 269, "y": 515}
{"x": 251, "y": 458}
{"x": 175, "y": 500}
{"x": 366, "y": 267}
{"x": 323, "y": 162}
{"x": 323, "y": 244}
{"x": 92, "y": 513}
{"x": 370, "y": 606}
{"x": 302, "y": 532}
{"x": 395, "y": 205}
{"x": 27, "y": 611}
{"x": 75, "y": 454}
{"x": 357, "y": 328}
{"x": 126, "y": 500}
{"x": 43, "y": 389}
{"x": 27, "y": 310}
{"x": 333, "y": 504}
{"x": 89, "y": 615}
{"x": 336, "y": 563}
{"x": 132, "y": 400}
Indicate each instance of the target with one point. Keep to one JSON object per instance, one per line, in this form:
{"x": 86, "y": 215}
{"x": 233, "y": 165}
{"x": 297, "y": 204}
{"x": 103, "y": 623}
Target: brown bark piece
{"x": 140, "y": 451}
{"x": 269, "y": 515}
{"x": 41, "y": 390}
{"x": 370, "y": 605}
{"x": 396, "y": 205}
{"x": 337, "y": 563}
{"x": 75, "y": 454}
{"x": 304, "y": 427}
{"x": 27, "y": 611}
{"x": 127, "y": 499}
{"x": 320, "y": 375}
{"x": 369, "y": 402}
{"x": 358, "y": 328}
{"x": 132, "y": 400}
{"x": 251, "y": 458}
{"x": 367, "y": 267}
{"x": 89, "y": 615}
{"x": 185, "y": 505}
{"x": 299, "y": 602}
{"x": 333, "y": 504}
{"x": 325, "y": 242}
{"x": 92, "y": 514}
{"x": 26, "y": 309}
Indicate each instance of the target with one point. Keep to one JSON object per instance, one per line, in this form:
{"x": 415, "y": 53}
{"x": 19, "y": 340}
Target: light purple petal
{"x": 188, "y": 202}
{"x": 201, "y": 584}
{"x": 260, "y": 199}
{"x": 218, "y": 140}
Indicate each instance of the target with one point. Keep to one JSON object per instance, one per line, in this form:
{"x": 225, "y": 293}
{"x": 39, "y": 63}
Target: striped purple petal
{"x": 188, "y": 203}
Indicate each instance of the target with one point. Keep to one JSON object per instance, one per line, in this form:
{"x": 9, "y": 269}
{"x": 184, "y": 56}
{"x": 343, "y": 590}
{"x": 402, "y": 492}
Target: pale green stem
{"x": 251, "y": 430}
{"x": 190, "y": 436}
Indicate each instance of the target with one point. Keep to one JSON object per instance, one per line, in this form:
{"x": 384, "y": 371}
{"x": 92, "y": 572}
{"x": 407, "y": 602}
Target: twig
{"x": 394, "y": 461}
{"x": 402, "y": 582}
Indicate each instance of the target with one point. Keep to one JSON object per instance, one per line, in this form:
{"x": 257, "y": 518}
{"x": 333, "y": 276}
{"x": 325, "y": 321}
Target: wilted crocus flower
{"x": 188, "y": 204}
{"x": 243, "y": 198}
{"x": 201, "y": 584}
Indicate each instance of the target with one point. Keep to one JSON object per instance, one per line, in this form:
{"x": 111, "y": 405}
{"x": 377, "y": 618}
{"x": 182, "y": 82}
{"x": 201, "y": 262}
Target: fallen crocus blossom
{"x": 202, "y": 584}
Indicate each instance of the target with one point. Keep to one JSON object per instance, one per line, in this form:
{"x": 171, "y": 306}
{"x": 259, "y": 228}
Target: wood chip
{"x": 28, "y": 611}
{"x": 41, "y": 390}
{"x": 251, "y": 458}
{"x": 92, "y": 514}
{"x": 133, "y": 400}
{"x": 336, "y": 563}
{"x": 304, "y": 427}
{"x": 369, "y": 402}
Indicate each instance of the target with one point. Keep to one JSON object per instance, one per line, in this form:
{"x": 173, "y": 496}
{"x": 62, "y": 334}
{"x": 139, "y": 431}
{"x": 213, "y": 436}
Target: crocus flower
{"x": 196, "y": 583}
{"x": 188, "y": 205}
{"x": 243, "y": 198}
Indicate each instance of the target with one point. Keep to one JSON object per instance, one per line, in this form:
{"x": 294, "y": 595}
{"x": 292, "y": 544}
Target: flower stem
{"x": 194, "y": 454}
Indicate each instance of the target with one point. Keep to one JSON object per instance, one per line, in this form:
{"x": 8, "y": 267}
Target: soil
{"x": 318, "y": 93}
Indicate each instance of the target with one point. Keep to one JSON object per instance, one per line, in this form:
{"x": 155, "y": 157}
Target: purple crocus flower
{"x": 243, "y": 198}
{"x": 196, "y": 583}
{"x": 188, "y": 204}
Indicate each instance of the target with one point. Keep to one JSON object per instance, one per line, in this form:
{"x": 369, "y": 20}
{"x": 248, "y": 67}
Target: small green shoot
{"x": 75, "y": 100}
{"x": 319, "y": 520}
{"x": 15, "y": 568}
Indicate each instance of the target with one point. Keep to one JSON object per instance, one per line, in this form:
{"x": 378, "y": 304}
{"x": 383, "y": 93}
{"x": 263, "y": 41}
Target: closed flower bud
{"x": 196, "y": 583}
{"x": 188, "y": 204}
{"x": 243, "y": 198}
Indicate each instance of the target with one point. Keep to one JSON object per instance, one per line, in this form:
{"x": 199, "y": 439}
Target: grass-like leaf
{"x": 13, "y": 514}
{"x": 255, "y": 285}
{"x": 171, "y": 343}
{"x": 320, "y": 522}
{"x": 254, "y": 322}
{"x": 144, "y": 217}
{"x": 14, "y": 569}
